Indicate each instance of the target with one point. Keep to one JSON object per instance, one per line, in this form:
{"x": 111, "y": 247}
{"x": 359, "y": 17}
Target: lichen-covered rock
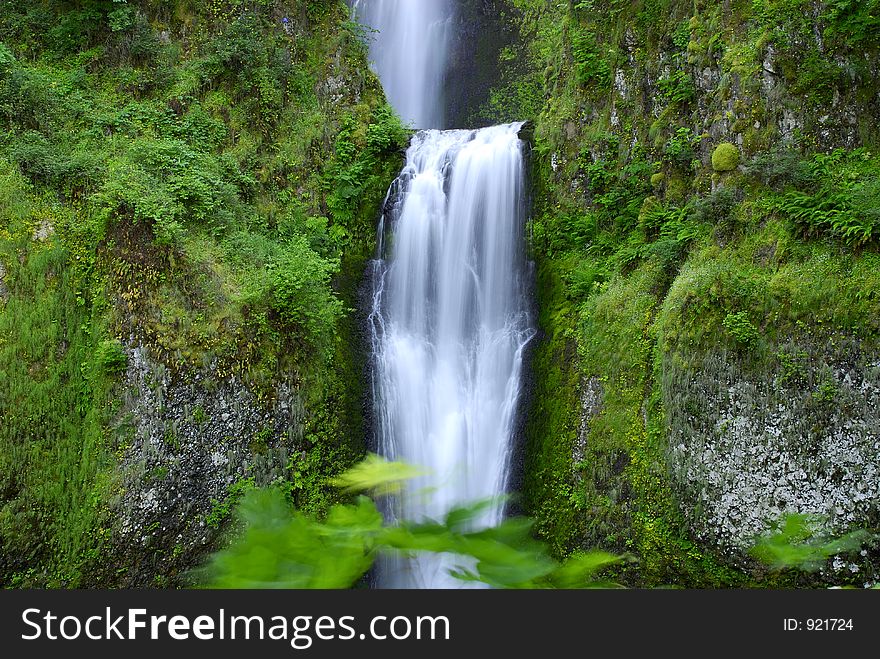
{"x": 746, "y": 450}
{"x": 184, "y": 441}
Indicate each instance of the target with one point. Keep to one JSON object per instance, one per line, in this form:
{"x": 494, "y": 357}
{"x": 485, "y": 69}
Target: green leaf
{"x": 378, "y": 475}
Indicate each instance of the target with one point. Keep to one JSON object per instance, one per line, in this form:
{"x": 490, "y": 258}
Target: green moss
{"x": 55, "y": 403}
{"x": 552, "y": 420}
{"x": 725, "y": 157}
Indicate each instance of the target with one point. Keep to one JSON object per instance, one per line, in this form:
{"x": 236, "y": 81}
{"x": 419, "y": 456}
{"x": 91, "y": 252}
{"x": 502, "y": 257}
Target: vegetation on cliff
{"x": 705, "y": 228}
{"x": 194, "y": 183}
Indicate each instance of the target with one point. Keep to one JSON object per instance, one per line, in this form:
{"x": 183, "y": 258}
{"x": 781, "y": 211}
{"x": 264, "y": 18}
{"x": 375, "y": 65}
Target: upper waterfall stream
{"x": 409, "y": 52}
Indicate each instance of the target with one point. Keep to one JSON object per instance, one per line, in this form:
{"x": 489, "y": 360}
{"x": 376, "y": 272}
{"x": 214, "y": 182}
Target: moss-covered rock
{"x": 725, "y": 157}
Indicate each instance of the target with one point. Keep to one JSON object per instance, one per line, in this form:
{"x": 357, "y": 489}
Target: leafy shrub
{"x": 385, "y": 132}
{"x": 682, "y": 35}
{"x": 792, "y": 367}
{"x": 256, "y": 69}
{"x": 74, "y": 29}
{"x": 619, "y": 189}
{"x": 716, "y": 208}
{"x": 80, "y": 171}
{"x": 741, "y": 328}
{"x": 589, "y": 65}
{"x": 7, "y": 61}
{"x": 857, "y": 22}
{"x": 672, "y": 230}
{"x": 300, "y": 294}
{"x": 35, "y": 156}
{"x": 678, "y": 88}
{"x": 121, "y": 18}
{"x": 132, "y": 194}
{"x": 680, "y": 148}
{"x": 668, "y": 251}
{"x": 583, "y": 279}
{"x": 353, "y": 169}
{"x": 110, "y": 357}
{"x": 779, "y": 168}
{"x": 172, "y": 186}
{"x": 27, "y": 99}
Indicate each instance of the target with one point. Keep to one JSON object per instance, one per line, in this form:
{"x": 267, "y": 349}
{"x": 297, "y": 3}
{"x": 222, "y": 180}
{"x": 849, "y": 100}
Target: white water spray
{"x": 449, "y": 325}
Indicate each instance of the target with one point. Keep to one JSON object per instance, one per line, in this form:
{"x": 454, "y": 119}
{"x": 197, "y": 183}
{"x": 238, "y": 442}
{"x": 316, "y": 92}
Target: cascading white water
{"x": 449, "y": 325}
{"x": 409, "y": 54}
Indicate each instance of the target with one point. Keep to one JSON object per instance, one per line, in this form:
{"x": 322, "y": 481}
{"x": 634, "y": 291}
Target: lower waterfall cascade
{"x": 449, "y": 324}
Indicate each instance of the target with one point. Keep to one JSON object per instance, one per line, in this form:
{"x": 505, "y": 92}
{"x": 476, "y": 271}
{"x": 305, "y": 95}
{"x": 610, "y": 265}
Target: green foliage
{"x": 725, "y": 157}
{"x": 625, "y": 278}
{"x": 741, "y": 328}
{"x": 798, "y": 543}
{"x": 182, "y": 195}
{"x": 855, "y": 21}
{"x": 677, "y": 88}
{"x": 376, "y": 475}
{"x": 170, "y": 186}
{"x": 680, "y": 148}
{"x": 354, "y": 173}
{"x": 590, "y": 65}
{"x": 716, "y": 208}
{"x": 300, "y": 293}
{"x": 54, "y": 400}
{"x": 793, "y": 367}
{"x": 7, "y": 60}
{"x": 779, "y": 169}
{"x": 682, "y": 35}
{"x": 619, "y": 188}
{"x": 553, "y": 418}
{"x": 111, "y": 357}
{"x": 840, "y": 199}
{"x": 284, "y": 548}
{"x": 222, "y": 509}
{"x": 257, "y": 69}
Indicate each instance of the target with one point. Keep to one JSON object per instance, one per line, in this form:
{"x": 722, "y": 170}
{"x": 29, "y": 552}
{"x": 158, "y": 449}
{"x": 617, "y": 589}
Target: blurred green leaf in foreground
{"x": 283, "y": 548}
{"x": 798, "y": 543}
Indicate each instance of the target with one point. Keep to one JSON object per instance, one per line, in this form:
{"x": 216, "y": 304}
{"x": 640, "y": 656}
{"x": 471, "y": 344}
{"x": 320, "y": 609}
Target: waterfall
{"x": 449, "y": 325}
{"x": 409, "y": 54}
{"x": 449, "y": 320}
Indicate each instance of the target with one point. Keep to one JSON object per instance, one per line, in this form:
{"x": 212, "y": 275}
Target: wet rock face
{"x": 479, "y": 34}
{"x": 184, "y": 441}
{"x": 591, "y": 406}
{"x": 745, "y": 450}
